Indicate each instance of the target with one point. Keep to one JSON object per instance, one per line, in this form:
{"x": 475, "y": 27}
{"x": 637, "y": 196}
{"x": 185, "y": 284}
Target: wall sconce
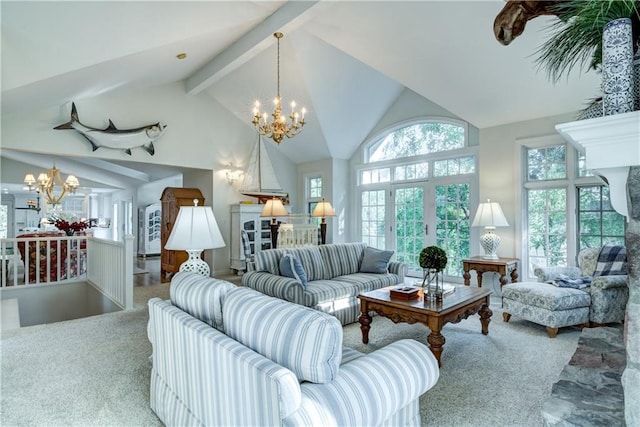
{"x": 233, "y": 174}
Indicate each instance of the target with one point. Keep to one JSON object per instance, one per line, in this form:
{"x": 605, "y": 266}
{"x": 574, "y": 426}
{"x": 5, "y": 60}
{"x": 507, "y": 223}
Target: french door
{"x": 409, "y": 217}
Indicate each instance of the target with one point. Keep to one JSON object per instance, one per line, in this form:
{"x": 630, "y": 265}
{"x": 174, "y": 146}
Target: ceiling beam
{"x": 247, "y": 46}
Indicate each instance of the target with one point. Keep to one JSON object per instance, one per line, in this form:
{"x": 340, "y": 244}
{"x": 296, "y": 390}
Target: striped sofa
{"x": 334, "y": 280}
{"x": 230, "y": 356}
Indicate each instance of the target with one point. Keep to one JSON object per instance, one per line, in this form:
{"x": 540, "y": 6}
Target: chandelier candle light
{"x": 46, "y": 184}
{"x": 195, "y": 230}
{"x": 489, "y": 215}
{"x": 323, "y": 209}
{"x": 274, "y": 208}
{"x": 278, "y": 127}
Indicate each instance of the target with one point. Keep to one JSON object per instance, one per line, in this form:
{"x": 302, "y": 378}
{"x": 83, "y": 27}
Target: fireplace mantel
{"x": 611, "y": 145}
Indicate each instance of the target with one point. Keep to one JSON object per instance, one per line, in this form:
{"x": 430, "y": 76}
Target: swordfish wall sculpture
{"x": 112, "y": 137}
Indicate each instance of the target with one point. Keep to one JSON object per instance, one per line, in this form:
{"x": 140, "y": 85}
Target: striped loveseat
{"x": 230, "y": 356}
{"x": 333, "y": 273}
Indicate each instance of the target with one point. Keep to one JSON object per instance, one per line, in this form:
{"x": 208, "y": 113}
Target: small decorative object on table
{"x": 433, "y": 261}
{"x": 70, "y": 228}
{"x": 405, "y": 292}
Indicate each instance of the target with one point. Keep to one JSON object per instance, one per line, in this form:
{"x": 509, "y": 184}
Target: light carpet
{"x": 95, "y": 371}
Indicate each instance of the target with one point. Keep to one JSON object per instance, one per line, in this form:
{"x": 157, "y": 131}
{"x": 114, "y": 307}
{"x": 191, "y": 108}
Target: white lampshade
{"x": 274, "y": 208}
{"x": 29, "y": 179}
{"x": 323, "y": 209}
{"x": 195, "y": 230}
{"x": 489, "y": 215}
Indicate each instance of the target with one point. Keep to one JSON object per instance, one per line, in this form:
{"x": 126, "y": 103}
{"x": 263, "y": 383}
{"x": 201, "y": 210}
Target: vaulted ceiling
{"x": 346, "y": 62}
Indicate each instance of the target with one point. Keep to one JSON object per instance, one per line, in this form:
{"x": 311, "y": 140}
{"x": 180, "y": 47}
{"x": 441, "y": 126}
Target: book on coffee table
{"x": 405, "y": 292}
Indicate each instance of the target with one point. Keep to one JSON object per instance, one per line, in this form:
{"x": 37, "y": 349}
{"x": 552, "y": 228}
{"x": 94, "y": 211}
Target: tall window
{"x": 415, "y": 188}
{"x": 566, "y": 208}
{"x": 313, "y": 186}
{"x": 598, "y": 223}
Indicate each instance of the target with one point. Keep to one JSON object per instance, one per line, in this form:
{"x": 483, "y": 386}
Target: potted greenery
{"x": 577, "y": 39}
{"x": 433, "y": 261}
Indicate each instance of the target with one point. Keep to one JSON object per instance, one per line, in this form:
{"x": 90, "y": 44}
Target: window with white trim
{"x": 565, "y": 207}
{"x": 408, "y": 173}
{"x": 313, "y": 194}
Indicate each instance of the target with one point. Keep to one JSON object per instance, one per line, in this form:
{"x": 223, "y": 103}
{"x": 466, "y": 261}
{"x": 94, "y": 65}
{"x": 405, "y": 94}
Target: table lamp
{"x": 195, "y": 230}
{"x": 274, "y": 208}
{"x": 323, "y": 209}
{"x": 489, "y": 215}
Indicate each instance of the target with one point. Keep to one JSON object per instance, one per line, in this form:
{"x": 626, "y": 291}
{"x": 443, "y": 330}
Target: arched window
{"x": 426, "y": 137}
{"x": 416, "y": 186}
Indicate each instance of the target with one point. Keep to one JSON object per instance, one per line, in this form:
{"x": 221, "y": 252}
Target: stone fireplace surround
{"x": 612, "y": 148}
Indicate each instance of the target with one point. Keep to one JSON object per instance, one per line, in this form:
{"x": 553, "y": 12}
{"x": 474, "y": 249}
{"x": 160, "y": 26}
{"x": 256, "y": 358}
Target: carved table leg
{"x": 467, "y": 278}
{"x": 485, "y": 317}
{"x": 436, "y": 341}
{"x": 365, "y": 321}
{"x": 479, "y": 274}
{"x": 503, "y": 280}
{"x": 514, "y": 275}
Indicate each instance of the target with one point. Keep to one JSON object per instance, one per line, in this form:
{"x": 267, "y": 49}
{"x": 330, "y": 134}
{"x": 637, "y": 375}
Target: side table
{"x": 502, "y": 266}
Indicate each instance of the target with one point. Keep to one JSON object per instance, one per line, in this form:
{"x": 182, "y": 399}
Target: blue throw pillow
{"x": 375, "y": 260}
{"x": 290, "y": 266}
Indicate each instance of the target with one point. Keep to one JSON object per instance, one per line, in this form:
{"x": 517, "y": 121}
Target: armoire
{"x": 172, "y": 198}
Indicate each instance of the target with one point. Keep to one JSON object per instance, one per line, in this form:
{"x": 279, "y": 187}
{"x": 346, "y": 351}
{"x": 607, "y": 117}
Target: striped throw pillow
{"x": 303, "y": 340}
{"x": 200, "y": 296}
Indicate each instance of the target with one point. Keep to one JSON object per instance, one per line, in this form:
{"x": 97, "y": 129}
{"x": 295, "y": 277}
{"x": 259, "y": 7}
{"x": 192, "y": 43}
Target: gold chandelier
{"x": 278, "y": 126}
{"x": 47, "y": 181}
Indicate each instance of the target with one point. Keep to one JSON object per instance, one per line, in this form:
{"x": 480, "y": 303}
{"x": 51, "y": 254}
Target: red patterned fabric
{"x": 42, "y": 256}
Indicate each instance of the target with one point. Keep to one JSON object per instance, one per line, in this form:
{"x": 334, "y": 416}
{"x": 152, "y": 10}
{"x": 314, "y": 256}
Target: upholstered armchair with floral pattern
{"x": 609, "y": 294}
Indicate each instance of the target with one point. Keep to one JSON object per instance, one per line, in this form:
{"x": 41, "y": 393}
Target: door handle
{"x": 426, "y": 229}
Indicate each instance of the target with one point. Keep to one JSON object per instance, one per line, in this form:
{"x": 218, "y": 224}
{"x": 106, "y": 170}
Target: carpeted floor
{"x": 95, "y": 371}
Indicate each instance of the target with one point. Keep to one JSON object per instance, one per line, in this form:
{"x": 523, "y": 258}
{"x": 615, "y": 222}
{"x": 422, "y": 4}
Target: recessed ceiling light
{"x": 181, "y": 55}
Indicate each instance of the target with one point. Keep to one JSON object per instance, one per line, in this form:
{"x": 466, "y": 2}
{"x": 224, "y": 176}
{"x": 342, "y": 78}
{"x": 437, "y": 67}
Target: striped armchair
{"x": 227, "y": 355}
{"x": 334, "y": 277}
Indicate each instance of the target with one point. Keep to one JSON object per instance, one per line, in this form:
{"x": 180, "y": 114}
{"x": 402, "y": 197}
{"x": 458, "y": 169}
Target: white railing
{"x": 110, "y": 268}
{"x": 106, "y": 264}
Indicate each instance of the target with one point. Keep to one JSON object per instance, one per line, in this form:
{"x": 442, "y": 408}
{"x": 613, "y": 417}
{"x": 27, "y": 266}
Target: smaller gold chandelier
{"x": 46, "y": 183}
{"x": 279, "y": 126}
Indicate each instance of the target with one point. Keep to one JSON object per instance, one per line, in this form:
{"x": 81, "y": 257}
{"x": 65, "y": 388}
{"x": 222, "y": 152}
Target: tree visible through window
{"x": 418, "y": 139}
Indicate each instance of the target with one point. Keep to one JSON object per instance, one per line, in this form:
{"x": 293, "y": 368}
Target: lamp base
{"x": 323, "y": 232}
{"x": 195, "y": 264}
{"x": 490, "y": 242}
{"x": 274, "y": 234}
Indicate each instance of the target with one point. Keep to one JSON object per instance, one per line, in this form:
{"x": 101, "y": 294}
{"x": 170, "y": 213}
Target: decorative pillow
{"x": 375, "y": 260}
{"x": 290, "y": 266}
{"x": 612, "y": 261}
{"x": 303, "y": 340}
{"x": 199, "y": 296}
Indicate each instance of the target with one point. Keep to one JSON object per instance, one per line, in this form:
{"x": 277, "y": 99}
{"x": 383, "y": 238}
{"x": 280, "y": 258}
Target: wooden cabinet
{"x": 247, "y": 217}
{"x": 172, "y": 198}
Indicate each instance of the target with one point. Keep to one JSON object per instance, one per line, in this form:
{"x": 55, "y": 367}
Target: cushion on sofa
{"x": 309, "y": 256}
{"x": 290, "y": 266}
{"x": 342, "y": 258}
{"x": 199, "y": 296}
{"x": 305, "y": 341}
{"x": 375, "y": 260}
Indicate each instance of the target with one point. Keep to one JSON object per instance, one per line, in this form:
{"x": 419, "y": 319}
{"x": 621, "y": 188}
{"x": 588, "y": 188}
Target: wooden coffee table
{"x": 461, "y": 304}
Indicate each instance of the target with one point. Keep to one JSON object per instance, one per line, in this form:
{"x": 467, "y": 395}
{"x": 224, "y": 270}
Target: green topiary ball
{"x": 432, "y": 257}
